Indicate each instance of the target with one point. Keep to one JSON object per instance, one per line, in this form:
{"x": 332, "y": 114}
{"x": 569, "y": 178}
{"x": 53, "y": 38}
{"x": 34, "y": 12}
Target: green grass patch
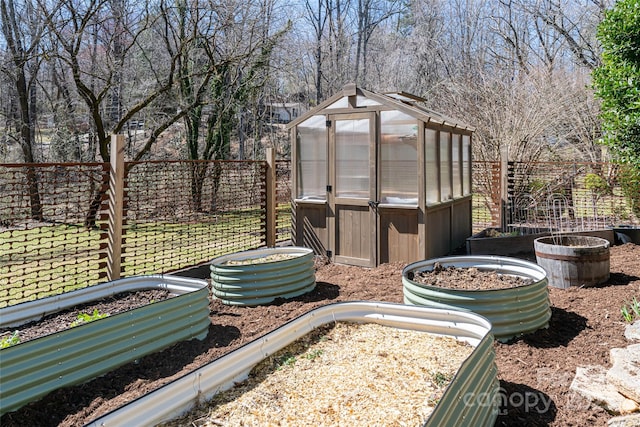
{"x": 45, "y": 261}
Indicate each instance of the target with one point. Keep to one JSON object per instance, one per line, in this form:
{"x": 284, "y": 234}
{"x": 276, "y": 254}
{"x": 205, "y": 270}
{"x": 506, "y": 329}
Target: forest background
{"x": 197, "y": 79}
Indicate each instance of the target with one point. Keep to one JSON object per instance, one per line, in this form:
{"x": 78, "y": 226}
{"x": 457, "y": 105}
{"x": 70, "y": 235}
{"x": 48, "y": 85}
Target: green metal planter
{"x": 470, "y": 399}
{"x": 512, "y": 312}
{"x": 32, "y": 369}
{"x": 259, "y": 276}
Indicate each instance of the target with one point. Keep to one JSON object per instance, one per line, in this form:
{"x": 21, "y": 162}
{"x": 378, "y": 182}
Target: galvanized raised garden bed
{"x": 511, "y": 311}
{"x": 31, "y": 369}
{"x": 470, "y": 398}
{"x": 261, "y": 275}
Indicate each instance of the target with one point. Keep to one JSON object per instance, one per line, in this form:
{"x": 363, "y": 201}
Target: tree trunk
{"x": 26, "y": 94}
{"x": 96, "y": 202}
{"x": 198, "y": 173}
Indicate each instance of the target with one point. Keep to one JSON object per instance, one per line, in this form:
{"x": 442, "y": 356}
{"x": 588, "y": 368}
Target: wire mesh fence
{"x": 178, "y": 214}
{"x": 283, "y": 201}
{"x": 184, "y": 213}
{"x": 486, "y": 178}
{"x": 50, "y": 234}
{"x": 550, "y": 196}
{"x": 567, "y": 197}
{"x": 54, "y": 221}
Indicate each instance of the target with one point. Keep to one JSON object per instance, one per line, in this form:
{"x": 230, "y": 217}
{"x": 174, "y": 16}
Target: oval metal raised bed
{"x": 470, "y": 398}
{"x": 259, "y": 276}
{"x": 512, "y": 311}
{"x": 32, "y": 369}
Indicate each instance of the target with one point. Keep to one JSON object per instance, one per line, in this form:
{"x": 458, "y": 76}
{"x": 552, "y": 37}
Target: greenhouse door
{"x": 352, "y": 189}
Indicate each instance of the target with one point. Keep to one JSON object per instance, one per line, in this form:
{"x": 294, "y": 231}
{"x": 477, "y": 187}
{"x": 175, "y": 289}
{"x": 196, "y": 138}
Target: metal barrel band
{"x": 582, "y": 257}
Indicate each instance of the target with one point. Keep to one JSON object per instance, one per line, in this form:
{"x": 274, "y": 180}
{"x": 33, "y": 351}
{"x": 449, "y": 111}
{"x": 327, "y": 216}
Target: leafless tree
{"x": 573, "y": 22}
{"x": 411, "y": 54}
{"x": 97, "y": 42}
{"x": 507, "y": 69}
{"x": 22, "y": 29}
{"x": 370, "y": 15}
{"x": 318, "y": 16}
{"x": 222, "y": 56}
{"x": 498, "y": 65}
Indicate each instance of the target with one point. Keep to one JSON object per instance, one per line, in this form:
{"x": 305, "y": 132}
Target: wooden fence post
{"x": 271, "y": 198}
{"x": 116, "y": 205}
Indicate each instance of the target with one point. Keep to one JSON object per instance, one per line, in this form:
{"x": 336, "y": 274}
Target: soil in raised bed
{"x": 535, "y": 371}
{"x": 471, "y": 279}
{"x": 64, "y": 319}
{"x": 261, "y": 260}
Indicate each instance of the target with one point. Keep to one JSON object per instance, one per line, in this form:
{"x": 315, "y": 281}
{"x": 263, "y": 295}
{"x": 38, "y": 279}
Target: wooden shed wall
{"x": 309, "y": 226}
{"x": 399, "y": 235}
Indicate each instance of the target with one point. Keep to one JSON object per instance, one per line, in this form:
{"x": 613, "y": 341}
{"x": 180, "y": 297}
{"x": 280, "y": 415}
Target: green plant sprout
{"x": 286, "y": 360}
{"x": 635, "y": 307}
{"x": 440, "y": 378}
{"x": 10, "y": 340}
{"x": 631, "y": 310}
{"x": 313, "y": 354}
{"x": 626, "y": 315}
{"x": 86, "y": 318}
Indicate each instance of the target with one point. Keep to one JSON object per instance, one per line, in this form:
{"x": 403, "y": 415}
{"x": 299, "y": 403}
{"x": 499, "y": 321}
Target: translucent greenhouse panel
{"x": 431, "y": 166}
{"x": 466, "y": 164}
{"x": 340, "y": 103}
{"x": 361, "y": 101}
{"x": 352, "y": 158}
{"x": 445, "y": 166}
{"x": 456, "y": 165}
{"x": 312, "y": 159}
{"x": 398, "y": 159}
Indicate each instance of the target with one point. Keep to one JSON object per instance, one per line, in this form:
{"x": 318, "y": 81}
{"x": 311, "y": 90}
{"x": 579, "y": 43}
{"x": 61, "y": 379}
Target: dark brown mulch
{"x": 535, "y": 371}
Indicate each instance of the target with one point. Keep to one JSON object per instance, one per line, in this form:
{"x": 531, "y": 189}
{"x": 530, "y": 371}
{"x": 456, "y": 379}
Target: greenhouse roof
{"x": 352, "y": 97}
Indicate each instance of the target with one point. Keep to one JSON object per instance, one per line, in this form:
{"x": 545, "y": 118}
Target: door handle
{"x": 373, "y": 205}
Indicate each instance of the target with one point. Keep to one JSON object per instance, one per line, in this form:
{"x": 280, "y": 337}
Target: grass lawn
{"x": 48, "y": 260}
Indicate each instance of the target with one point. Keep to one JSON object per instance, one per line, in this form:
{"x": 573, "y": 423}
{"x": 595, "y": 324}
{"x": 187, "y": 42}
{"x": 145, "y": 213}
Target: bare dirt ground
{"x": 535, "y": 371}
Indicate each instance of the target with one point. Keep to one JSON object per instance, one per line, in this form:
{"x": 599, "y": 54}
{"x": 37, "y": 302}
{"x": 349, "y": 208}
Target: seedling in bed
{"x": 440, "y": 379}
{"x": 86, "y": 318}
{"x": 313, "y": 354}
{"x": 286, "y": 360}
{"x": 13, "y": 339}
{"x": 631, "y": 310}
{"x": 635, "y": 307}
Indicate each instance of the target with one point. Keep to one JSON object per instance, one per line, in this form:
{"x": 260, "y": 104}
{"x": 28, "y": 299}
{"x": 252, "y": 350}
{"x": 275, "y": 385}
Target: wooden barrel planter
{"x": 512, "y": 311}
{"x": 470, "y": 399}
{"x": 573, "y": 260}
{"x": 259, "y": 276}
{"x": 31, "y": 369}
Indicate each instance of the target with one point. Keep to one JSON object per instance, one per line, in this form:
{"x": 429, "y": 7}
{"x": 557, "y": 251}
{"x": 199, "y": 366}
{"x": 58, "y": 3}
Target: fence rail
{"x": 54, "y": 218}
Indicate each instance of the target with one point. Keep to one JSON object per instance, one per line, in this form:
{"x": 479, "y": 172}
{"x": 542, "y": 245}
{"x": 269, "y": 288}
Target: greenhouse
{"x": 379, "y": 178}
